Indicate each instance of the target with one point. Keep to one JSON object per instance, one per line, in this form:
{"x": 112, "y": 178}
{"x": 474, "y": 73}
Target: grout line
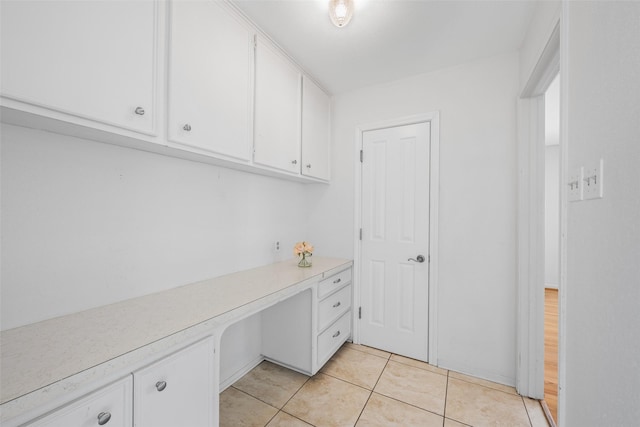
{"x": 297, "y": 418}
{"x": 446, "y": 395}
{"x": 354, "y": 348}
{"x": 409, "y": 404}
{"x": 482, "y": 385}
{"x": 526, "y": 411}
{"x": 364, "y": 407}
{"x": 343, "y": 380}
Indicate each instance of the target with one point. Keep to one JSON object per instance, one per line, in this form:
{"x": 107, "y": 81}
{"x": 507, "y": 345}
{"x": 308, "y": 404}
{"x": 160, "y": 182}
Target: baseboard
{"x": 227, "y": 382}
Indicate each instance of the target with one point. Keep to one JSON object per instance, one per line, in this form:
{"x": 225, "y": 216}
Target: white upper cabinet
{"x": 316, "y": 114}
{"x": 90, "y": 59}
{"x": 210, "y": 78}
{"x": 277, "y": 110}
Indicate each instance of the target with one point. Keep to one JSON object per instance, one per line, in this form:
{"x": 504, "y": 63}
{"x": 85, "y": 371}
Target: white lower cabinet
{"x": 111, "y": 406}
{"x": 287, "y": 326}
{"x": 334, "y": 310}
{"x": 177, "y": 390}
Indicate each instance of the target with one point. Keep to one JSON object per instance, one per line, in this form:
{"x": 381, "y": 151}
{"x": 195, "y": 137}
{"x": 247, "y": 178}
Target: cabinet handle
{"x": 309, "y": 166}
{"x": 139, "y": 111}
{"x": 103, "y": 418}
{"x": 336, "y": 304}
{"x": 294, "y": 162}
{"x": 161, "y": 385}
{"x": 187, "y": 127}
{"x": 337, "y": 334}
{"x": 337, "y": 281}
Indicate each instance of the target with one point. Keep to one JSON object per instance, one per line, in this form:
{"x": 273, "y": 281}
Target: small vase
{"x": 305, "y": 261}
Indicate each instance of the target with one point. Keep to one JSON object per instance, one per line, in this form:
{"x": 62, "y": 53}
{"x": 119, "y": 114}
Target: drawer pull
{"x": 161, "y": 385}
{"x": 337, "y": 334}
{"x": 187, "y": 127}
{"x": 103, "y": 418}
{"x": 338, "y": 280}
{"x": 139, "y": 111}
{"x": 336, "y": 304}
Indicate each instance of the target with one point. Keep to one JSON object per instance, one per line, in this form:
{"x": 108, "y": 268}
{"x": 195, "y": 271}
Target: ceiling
{"x": 389, "y": 39}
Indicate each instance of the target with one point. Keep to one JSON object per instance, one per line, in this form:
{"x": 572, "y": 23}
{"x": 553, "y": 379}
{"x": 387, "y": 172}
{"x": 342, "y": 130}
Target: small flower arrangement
{"x": 304, "y": 250}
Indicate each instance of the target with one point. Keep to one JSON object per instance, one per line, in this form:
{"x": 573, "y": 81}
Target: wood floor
{"x": 551, "y": 351}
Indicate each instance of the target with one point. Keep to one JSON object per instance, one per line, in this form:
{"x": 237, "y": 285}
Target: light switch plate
{"x": 592, "y": 180}
{"x": 575, "y": 185}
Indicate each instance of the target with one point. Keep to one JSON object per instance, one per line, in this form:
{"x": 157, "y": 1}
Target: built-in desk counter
{"x": 45, "y": 362}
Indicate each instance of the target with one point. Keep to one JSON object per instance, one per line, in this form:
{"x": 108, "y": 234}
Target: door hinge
{"x": 359, "y": 312}
{"x": 429, "y": 258}
{"x": 255, "y": 41}
{"x": 361, "y": 156}
{"x": 361, "y": 234}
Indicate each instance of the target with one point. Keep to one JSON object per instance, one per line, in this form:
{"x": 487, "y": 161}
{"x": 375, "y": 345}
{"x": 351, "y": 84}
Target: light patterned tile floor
{"x": 362, "y": 386}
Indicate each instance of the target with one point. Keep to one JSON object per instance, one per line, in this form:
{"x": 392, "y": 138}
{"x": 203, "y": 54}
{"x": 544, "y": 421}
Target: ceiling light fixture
{"x": 340, "y": 12}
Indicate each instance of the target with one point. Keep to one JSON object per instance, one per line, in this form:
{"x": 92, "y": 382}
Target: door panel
{"x": 395, "y": 223}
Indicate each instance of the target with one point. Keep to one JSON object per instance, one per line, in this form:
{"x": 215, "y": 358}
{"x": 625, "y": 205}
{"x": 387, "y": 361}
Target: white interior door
{"x": 395, "y": 240}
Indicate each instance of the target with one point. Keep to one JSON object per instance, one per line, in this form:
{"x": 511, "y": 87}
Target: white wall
{"x": 477, "y": 298}
{"x": 603, "y": 272}
{"x": 86, "y": 224}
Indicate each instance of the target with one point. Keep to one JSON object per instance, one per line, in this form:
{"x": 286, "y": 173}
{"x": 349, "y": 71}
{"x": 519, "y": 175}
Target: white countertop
{"x": 38, "y": 355}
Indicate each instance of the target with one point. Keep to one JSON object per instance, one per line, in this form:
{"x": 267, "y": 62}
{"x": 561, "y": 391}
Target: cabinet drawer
{"x": 334, "y": 282}
{"x": 330, "y": 340}
{"x": 111, "y": 404}
{"x": 333, "y": 306}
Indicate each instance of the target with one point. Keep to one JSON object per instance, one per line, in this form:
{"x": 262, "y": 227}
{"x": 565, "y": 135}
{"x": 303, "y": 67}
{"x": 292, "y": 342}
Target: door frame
{"x": 531, "y": 227}
{"x": 434, "y": 184}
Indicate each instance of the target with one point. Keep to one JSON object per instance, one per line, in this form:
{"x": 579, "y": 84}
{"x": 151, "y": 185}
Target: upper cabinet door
{"x": 210, "y": 79}
{"x": 277, "y": 110}
{"x": 91, "y": 59}
{"x": 316, "y": 114}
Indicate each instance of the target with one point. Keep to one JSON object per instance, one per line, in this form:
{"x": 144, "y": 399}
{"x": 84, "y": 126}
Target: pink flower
{"x": 301, "y": 248}
{"x": 298, "y": 249}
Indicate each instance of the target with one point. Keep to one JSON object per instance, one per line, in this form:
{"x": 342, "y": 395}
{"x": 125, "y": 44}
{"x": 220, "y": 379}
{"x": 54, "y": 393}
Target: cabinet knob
{"x": 187, "y": 127}
{"x": 337, "y": 334}
{"x": 337, "y": 280}
{"x": 294, "y": 162}
{"x": 103, "y": 418}
{"x": 139, "y": 111}
{"x": 161, "y": 385}
{"x": 309, "y": 166}
{"x": 336, "y": 305}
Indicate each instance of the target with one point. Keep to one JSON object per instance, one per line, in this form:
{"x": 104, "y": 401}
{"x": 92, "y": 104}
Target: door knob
{"x": 420, "y": 258}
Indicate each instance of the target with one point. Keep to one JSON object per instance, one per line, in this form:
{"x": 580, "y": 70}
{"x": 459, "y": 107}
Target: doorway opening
{"x": 551, "y": 243}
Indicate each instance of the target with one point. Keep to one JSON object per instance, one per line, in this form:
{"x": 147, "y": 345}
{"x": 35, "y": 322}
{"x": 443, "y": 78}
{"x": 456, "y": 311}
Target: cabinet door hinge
{"x": 255, "y": 41}
{"x": 361, "y": 156}
{"x": 361, "y": 234}
{"x": 359, "y": 312}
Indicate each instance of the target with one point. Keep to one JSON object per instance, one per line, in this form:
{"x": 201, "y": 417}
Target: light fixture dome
{"x": 340, "y": 12}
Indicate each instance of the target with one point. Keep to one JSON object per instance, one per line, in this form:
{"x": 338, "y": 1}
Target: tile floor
{"x": 362, "y": 386}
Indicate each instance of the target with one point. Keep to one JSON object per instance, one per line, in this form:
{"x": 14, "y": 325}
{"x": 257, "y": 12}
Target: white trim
{"x": 530, "y": 329}
{"x": 530, "y": 342}
{"x": 434, "y": 195}
{"x": 564, "y": 171}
